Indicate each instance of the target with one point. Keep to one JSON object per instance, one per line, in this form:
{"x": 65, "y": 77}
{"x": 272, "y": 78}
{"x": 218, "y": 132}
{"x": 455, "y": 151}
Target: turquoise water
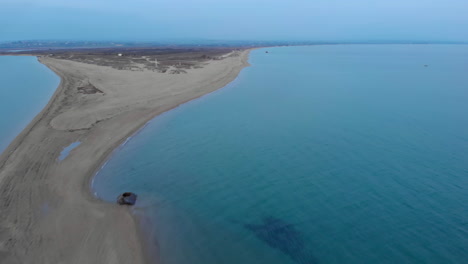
{"x": 25, "y": 86}
{"x": 322, "y": 154}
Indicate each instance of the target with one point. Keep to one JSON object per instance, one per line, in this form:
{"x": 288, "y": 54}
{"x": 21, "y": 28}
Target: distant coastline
{"x": 39, "y": 47}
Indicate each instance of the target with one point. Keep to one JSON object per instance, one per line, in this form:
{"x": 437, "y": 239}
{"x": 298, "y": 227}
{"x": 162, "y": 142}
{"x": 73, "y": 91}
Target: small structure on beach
{"x": 127, "y": 198}
{"x": 120, "y": 54}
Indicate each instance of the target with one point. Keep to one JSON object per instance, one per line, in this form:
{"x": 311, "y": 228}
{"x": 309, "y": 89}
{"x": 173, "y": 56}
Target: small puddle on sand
{"x": 66, "y": 150}
{"x": 45, "y": 208}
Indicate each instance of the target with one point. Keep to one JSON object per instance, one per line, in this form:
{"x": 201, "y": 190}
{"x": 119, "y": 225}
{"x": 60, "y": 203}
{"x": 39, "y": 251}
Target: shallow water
{"x": 322, "y": 154}
{"x": 25, "y": 87}
{"x": 66, "y": 150}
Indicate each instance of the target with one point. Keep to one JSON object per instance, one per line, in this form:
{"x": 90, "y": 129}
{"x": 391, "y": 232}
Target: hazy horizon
{"x": 296, "y": 20}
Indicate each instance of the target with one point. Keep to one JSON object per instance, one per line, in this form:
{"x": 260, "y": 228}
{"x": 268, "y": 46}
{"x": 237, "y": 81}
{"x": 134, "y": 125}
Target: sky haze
{"x": 311, "y": 20}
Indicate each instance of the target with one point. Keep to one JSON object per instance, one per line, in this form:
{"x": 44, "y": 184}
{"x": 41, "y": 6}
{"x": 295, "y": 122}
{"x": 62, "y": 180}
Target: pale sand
{"x": 48, "y": 213}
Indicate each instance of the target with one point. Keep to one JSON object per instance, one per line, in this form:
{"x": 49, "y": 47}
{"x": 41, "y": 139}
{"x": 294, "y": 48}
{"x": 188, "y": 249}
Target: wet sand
{"x": 49, "y": 214}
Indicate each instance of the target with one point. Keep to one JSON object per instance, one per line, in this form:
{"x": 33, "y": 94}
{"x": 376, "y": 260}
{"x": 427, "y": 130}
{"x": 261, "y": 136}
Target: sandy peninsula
{"x": 48, "y": 213}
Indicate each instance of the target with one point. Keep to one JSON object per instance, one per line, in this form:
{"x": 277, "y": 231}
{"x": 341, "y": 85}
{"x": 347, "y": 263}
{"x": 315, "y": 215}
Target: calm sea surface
{"x": 25, "y": 88}
{"x": 322, "y": 154}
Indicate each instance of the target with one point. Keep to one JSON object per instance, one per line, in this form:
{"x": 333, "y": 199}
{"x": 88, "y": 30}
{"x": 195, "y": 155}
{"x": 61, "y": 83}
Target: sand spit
{"x": 48, "y": 213}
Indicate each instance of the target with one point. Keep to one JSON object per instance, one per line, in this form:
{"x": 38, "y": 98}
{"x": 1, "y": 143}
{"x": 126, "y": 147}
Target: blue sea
{"x": 25, "y": 88}
{"x": 319, "y": 154}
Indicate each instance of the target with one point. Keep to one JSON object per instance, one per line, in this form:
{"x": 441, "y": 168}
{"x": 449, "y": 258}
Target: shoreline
{"x": 28, "y": 166}
{"x": 135, "y": 133}
{"x": 139, "y": 219}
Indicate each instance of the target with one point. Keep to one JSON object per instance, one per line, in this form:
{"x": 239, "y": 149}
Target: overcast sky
{"x": 333, "y": 20}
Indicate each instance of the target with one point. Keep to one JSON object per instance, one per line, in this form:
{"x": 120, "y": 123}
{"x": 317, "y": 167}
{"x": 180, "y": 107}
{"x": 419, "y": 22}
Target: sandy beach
{"x": 49, "y": 214}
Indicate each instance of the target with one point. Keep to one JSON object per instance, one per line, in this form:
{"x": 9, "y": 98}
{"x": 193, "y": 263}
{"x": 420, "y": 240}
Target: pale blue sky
{"x": 331, "y": 20}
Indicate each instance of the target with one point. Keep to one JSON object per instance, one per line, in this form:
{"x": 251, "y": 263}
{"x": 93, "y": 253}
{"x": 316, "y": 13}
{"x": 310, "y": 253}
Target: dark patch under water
{"x": 281, "y": 235}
